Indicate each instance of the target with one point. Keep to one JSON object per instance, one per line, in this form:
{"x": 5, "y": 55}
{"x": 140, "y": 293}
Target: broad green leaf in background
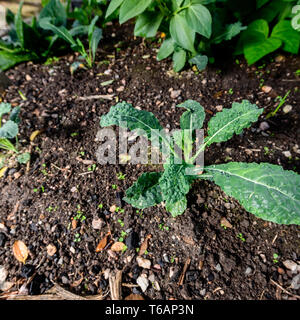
{"x": 200, "y": 61}
{"x": 194, "y": 117}
{"x": 179, "y": 59}
{"x": 9, "y": 130}
{"x": 113, "y": 6}
{"x": 96, "y": 37}
{"x": 92, "y": 28}
{"x": 199, "y": 18}
{"x": 132, "y": 8}
{"x": 4, "y": 109}
{"x": 256, "y": 43}
{"x": 79, "y": 30}
{"x": 232, "y": 121}
{"x": 145, "y": 192}
{"x": 260, "y": 3}
{"x": 291, "y": 38}
{"x": 135, "y": 119}
{"x": 181, "y": 32}
{"x": 230, "y": 32}
{"x": 271, "y": 10}
{"x": 55, "y": 12}
{"x": 266, "y": 190}
{"x": 19, "y": 25}
{"x": 147, "y": 24}
{"x": 9, "y": 59}
{"x": 255, "y": 52}
{"x": 166, "y": 49}
{"x": 61, "y": 31}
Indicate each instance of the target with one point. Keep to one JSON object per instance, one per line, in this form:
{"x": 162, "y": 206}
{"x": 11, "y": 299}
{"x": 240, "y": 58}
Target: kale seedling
{"x": 264, "y": 189}
{"x": 10, "y": 129}
{"x": 94, "y": 37}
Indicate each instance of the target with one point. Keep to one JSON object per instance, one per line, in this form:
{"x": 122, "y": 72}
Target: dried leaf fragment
{"x": 34, "y": 135}
{"x": 20, "y": 251}
{"x": 102, "y": 244}
{"x": 144, "y": 245}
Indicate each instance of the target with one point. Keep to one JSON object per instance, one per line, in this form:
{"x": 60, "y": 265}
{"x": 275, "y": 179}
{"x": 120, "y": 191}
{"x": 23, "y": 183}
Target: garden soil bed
{"x": 37, "y": 206}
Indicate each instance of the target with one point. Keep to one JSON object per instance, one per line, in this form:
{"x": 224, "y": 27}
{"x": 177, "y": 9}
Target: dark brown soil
{"x": 223, "y": 266}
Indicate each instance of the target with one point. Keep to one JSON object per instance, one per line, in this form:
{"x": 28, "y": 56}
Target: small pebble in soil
{"x": 248, "y": 271}
{"x": 288, "y": 108}
{"x": 143, "y": 282}
{"x": 3, "y": 274}
{"x": 264, "y": 126}
{"x": 132, "y": 241}
{"x": 287, "y": 154}
{"x": 165, "y": 257}
{"x": 218, "y": 267}
{"x": 143, "y": 263}
{"x": 97, "y": 223}
{"x": 295, "y": 284}
{"x": 291, "y": 265}
{"x": 203, "y": 292}
{"x": 27, "y": 271}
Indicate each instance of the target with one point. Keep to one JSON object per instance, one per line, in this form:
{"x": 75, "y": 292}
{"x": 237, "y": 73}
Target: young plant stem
{"x": 282, "y": 102}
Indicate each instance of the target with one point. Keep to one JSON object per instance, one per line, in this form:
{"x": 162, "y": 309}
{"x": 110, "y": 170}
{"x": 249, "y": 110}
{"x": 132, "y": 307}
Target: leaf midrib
{"x": 253, "y": 181}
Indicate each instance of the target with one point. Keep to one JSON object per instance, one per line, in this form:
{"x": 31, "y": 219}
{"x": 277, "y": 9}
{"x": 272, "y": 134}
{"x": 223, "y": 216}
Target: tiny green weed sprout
{"x": 120, "y": 210}
{"x": 266, "y": 190}
{"x": 281, "y": 103}
{"x": 122, "y": 224}
{"x": 74, "y": 134}
{"x": 123, "y": 235}
{"x": 121, "y": 176}
{"x": 223, "y": 226}
{"x": 92, "y": 167}
{"x": 100, "y": 206}
{"x": 297, "y": 73}
{"x": 267, "y": 151}
{"x": 77, "y": 237}
{"x": 114, "y": 186}
{"x": 230, "y": 91}
{"x": 275, "y": 257}
{"x": 241, "y": 237}
{"x": 23, "y": 97}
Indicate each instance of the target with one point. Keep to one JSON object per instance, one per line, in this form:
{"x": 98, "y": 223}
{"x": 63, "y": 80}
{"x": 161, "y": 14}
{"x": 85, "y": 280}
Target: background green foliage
{"x": 194, "y": 27}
